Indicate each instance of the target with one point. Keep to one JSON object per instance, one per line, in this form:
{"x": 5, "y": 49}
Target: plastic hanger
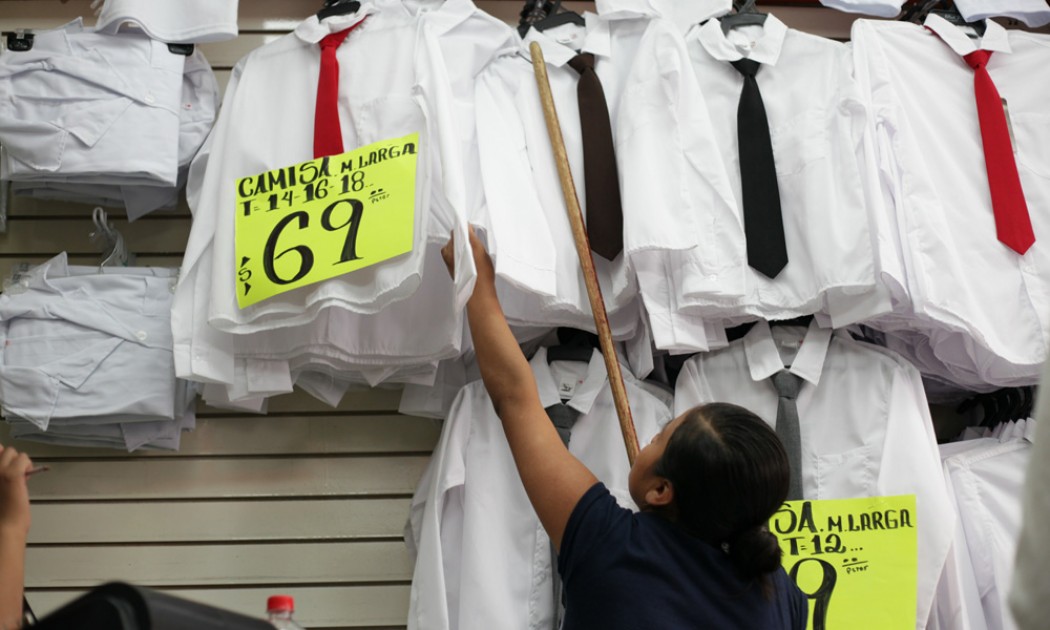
{"x": 114, "y": 250}
{"x": 338, "y": 7}
{"x": 746, "y": 15}
{"x": 573, "y": 345}
{"x": 21, "y": 40}
{"x": 554, "y": 18}
{"x": 531, "y": 12}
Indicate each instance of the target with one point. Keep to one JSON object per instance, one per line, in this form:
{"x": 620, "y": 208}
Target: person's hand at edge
{"x": 14, "y": 495}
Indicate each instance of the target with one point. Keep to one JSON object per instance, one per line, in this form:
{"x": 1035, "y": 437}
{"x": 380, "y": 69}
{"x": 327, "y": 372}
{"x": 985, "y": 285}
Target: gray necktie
{"x": 787, "y": 385}
{"x": 563, "y": 417}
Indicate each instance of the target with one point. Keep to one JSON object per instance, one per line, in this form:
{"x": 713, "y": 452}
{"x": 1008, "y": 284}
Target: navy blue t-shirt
{"x": 627, "y": 571}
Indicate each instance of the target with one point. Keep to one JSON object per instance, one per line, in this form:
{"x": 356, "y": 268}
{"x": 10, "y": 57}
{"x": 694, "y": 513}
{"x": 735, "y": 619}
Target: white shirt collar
{"x": 449, "y": 15}
{"x": 766, "y": 48}
{"x": 583, "y": 398}
{"x": 994, "y": 39}
{"x": 596, "y": 41}
{"x": 763, "y": 359}
{"x": 38, "y": 277}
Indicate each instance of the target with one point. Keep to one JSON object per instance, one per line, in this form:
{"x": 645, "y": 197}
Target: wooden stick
{"x": 583, "y": 249}
{"x": 38, "y": 469}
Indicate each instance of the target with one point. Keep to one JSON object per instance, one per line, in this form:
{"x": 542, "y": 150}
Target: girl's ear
{"x": 660, "y": 494}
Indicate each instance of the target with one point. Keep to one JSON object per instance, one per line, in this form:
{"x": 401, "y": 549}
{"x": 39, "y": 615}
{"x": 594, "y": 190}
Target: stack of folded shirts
{"x": 111, "y": 119}
{"x": 86, "y": 357}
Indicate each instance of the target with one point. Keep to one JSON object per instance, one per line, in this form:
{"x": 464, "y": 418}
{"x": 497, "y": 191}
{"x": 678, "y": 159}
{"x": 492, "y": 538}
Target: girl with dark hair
{"x": 697, "y": 554}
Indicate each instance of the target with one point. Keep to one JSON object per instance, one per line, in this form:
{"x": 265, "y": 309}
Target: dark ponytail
{"x": 754, "y": 552}
{"x": 730, "y": 474}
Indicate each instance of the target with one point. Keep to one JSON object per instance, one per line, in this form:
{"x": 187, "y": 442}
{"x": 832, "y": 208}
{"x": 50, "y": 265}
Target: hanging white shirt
{"x": 184, "y": 22}
{"x": 73, "y": 340}
{"x": 403, "y": 341}
{"x": 197, "y": 111}
{"x": 816, "y": 122}
{"x": 471, "y": 508}
{"x": 85, "y": 104}
{"x": 865, "y": 424}
{"x": 987, "y": 482}
{"x": 529, "y": 233}
{"x": 985, "y": 308}
{"x": 677, "y": 137}
{"x": 957, "y": 605}
{"x": 406, "y": 93}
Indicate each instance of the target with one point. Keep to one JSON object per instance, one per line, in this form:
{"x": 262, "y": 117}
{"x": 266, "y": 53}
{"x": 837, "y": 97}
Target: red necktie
{"x": 328, "y": 136}
{"x": 1012, "y": 223}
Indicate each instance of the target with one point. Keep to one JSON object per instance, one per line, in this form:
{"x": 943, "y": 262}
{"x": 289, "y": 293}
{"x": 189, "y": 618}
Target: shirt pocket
{"x": 847, "y": 474}
{"x": 388, "y": 117}
{"x": 799, "y": 141}
{"x": 1032, "y": 137}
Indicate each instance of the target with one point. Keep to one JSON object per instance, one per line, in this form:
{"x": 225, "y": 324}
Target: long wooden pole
{"x": 583, "y": 250}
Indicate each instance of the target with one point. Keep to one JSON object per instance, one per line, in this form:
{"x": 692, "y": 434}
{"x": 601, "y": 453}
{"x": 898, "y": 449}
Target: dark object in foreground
{"x": 120, "y": 606}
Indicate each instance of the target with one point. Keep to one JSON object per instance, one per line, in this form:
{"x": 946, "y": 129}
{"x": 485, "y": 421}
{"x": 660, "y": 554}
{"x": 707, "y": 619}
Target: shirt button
{"x": 141, "y": 335}
{"x": 149, "y": 98}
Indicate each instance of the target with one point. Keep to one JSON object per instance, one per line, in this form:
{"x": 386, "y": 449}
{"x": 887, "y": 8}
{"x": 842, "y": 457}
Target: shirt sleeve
{"x": 911, "y": 464}
{"x": 594, "y": 521}
{"x": 435, "y": 525}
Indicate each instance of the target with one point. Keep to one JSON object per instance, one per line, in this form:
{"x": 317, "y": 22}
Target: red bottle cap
{"x": 278, "y": 603}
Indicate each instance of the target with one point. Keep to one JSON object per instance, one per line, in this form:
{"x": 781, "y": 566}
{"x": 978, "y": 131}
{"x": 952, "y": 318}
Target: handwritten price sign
{"x": 313, "y": 221}
{"x": 856, "y": 560}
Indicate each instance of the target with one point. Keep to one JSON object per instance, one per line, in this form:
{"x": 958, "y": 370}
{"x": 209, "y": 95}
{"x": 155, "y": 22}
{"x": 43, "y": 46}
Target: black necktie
{"x": 600, "y": 177}
{"x": 787, "y": 428}
{"x": 763, "y": 223}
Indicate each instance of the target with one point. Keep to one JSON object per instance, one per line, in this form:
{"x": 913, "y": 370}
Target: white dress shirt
{"x": 483, "y": 559}
{"x": 677, "y": 136}
{"x": 530, "y": 237}
{"x": 987, "y": 481}
{"x": 378, "y": 320}
{"x": 74, "y": 342}
{"x": 197, "y": 111}
{"x": 82, "y": 104}
{"x": 957, "y": 605}
{"x": 407, "y": 93}
{"x": 185, "y": 22}
{"x": 865, "y": 425}
{"x": 984, "y": 308}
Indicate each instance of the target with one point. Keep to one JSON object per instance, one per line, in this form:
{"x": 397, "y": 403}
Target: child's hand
{"x": 14, "y": 496}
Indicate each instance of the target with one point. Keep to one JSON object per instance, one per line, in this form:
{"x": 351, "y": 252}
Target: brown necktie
{"x": 601, "y": 179}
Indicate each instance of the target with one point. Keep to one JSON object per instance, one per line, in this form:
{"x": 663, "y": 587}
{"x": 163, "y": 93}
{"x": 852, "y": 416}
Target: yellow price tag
{"x": 856, "y": 560}
{"x": 313, "y": 221}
